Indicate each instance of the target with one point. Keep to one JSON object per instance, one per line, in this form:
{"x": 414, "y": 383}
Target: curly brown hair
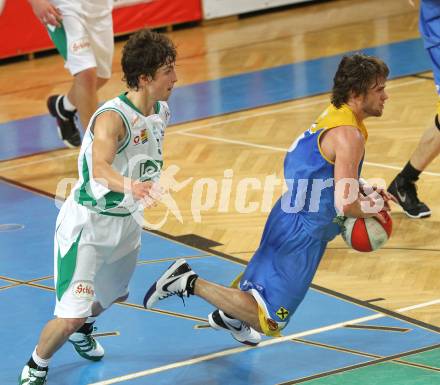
{"x": 355, "y": 75}
{"x": 143, "y": 54}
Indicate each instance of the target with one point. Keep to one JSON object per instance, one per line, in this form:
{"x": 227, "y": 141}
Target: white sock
{"x": 38, "y": 360}
{"x": 67, "y": 104}
{"x": 89, "y": 320}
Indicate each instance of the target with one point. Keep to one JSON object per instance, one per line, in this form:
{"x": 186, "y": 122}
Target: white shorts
{"x": 88, "y": 41}
{"x": 94, "y": 259}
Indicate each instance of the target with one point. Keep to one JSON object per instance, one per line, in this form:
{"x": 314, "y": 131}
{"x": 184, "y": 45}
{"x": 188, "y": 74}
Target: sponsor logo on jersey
{"x": 83, "y": 289}
{"x": 80, "y": 45}
{"x": 142, "y": 138}
{"x": 282, "y": 313}
{"x": 149, "y": 169}
{"x": 144, "y": 135}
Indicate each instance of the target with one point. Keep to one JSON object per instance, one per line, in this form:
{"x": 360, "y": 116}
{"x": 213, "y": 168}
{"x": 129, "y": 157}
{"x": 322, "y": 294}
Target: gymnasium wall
{"x": 21, "y": 32}
{"x": 221, "y": 8}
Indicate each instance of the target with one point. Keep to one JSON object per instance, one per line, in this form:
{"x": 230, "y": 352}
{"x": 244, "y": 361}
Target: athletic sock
{"x": 87, "y": 328}
{"x": 67, "y": 104}
{"x": 410, "y": 173}
{"x": 36, "y": 362}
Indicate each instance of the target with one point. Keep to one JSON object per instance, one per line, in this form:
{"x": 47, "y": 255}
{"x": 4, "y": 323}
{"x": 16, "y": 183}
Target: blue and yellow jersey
{"x": 429, "y": 23}
{"x": 310, "y": 175}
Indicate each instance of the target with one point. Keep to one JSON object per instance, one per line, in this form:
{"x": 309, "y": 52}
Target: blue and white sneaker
{"x": 177, "y": 280}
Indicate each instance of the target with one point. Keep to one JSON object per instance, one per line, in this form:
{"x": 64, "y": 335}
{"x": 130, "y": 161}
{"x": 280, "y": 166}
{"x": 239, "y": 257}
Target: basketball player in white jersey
{"x": 97, "y": 239}
{"x": 82, "y": 31}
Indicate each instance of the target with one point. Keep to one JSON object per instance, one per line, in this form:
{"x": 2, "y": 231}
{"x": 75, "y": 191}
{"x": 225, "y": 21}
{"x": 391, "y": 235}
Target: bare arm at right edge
{"x": 347, "y": 146}
{"x": 108, "y": 130}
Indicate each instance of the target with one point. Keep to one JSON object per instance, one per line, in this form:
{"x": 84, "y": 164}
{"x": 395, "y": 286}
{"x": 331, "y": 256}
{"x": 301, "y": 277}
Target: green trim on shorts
{"x": 110, "y": 214}
{"x": 58, "y": 36}
{"x": 66, "y": 267}
{"x": 82, "y": 195}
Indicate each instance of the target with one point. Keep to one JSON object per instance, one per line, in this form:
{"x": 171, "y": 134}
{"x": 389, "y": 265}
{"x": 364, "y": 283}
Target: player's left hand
{"x": 386, "y": 196}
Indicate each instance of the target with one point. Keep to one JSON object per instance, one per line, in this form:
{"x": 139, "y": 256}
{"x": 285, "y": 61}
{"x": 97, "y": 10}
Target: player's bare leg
{"x": 56, "y": 333}
{"x": 427, "y": 149}
{"x": 238, "y": 304}
{"x": 84, "y": 94}
{"x": 239, "y": 310}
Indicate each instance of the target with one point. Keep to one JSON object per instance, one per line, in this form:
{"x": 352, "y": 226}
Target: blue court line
{"x": 229, "y": 94}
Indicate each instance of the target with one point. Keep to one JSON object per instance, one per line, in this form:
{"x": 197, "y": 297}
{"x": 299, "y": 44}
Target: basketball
{"x": 367, "y": 234}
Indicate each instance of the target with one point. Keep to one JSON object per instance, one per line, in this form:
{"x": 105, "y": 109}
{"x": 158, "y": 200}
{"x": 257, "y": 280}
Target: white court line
{"x": 280, "y": 149}
{"x": 277, "y": 110}
{"x": 37, "y": 161}
{"x": 269, "y": 342}
{"x": 249, "y": 116}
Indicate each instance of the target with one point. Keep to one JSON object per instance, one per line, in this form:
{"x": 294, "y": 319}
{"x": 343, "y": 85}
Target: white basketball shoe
{"x": 177, "y": 280}
{"x": 239, "y": 330}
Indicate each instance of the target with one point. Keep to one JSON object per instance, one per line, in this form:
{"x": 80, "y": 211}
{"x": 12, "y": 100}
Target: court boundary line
{"x": 284, "y": 150}
{"x": 170, "y": 259}
{"x": 393, "y": 358}
{"x": 360, "y": 353}
{"x": 240, "y": 349}
{"x": 32, "y": 284}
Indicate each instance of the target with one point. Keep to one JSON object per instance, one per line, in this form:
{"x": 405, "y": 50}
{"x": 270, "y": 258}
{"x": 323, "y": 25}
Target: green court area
{"x": 417, "y": 369}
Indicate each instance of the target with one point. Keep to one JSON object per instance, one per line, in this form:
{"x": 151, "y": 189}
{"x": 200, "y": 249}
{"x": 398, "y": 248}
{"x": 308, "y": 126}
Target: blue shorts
{"x": 281, "y": 271}
{"x": 429, "y": 25}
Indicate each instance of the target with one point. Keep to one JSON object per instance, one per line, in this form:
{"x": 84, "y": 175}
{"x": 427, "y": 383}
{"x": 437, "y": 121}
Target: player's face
{"x": 163, "y": 82}
{"x": 374, "y": 100}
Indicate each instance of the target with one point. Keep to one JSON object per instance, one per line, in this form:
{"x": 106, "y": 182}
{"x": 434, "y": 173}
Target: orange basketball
{"x": 367, "y": 234}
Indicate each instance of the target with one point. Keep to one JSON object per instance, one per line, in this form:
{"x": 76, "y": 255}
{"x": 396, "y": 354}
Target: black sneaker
{"x": 405, "y": 192}
{"x": 67, "y": 129}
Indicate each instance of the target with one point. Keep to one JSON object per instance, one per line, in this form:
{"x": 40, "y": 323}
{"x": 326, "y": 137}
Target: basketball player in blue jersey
{"x": 403, "y": 187}
{"x": 328, "y": 157}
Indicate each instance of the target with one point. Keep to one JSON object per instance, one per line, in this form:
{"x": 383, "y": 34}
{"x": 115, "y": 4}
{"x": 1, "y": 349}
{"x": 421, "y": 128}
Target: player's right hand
{"x": 147, "y": 192}
{"x": 46, "y": 12}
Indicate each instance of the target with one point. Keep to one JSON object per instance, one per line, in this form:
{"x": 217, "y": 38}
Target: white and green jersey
{"x": 139, "y": 156}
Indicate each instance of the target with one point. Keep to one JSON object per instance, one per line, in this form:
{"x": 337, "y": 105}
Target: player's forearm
{"x": 106, "y": 175}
